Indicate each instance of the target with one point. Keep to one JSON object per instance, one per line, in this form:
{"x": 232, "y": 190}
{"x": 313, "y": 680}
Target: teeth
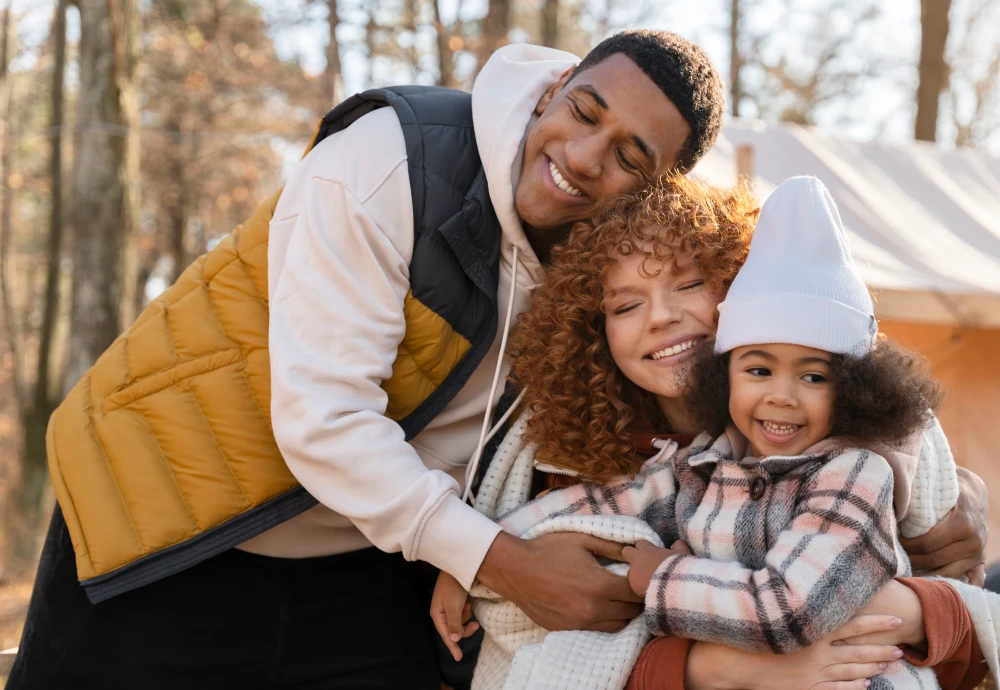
{"x": 781, "y": 429}
{"x": 678, "y": 348}
{"x": 561, "y": 183}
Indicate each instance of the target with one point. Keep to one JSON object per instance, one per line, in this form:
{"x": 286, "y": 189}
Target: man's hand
{"x": 644, "y": 559}
{"x": 557, "y": 581}
{"x": 956, "y": 546}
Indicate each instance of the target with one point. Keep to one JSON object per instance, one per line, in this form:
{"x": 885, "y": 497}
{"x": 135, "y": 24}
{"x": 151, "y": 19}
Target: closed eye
{"x": 625, "y": 310}
{"x": 580, "y": 116}
{"x": 624, "y": 162}
{"x": 692, "y": 285}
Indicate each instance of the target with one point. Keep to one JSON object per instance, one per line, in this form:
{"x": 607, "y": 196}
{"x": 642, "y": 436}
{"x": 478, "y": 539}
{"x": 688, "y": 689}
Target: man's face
{"x": 610, "y": 131}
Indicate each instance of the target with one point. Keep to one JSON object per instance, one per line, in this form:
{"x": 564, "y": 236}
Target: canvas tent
{"x": 924, "y": 227}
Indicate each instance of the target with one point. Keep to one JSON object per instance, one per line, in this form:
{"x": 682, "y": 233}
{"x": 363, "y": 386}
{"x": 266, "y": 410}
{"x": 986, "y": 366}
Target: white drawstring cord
{"x": 474, "y": 460}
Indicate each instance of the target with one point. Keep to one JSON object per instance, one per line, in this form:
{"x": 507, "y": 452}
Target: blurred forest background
{"x": 137, "y": 133}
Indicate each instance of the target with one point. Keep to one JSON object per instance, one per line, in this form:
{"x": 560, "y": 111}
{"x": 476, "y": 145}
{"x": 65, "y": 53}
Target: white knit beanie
{"x": 798, "y": 285}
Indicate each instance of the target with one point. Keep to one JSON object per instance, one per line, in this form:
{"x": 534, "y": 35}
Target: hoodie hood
{"x": 503, "y": 104}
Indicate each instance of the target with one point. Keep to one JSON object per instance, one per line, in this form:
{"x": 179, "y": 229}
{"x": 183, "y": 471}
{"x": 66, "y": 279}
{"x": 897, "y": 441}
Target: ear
{"x": 551, "y": 92}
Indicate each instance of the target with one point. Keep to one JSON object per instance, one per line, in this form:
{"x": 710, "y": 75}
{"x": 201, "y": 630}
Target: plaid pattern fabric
{"x": 786, "y": 550}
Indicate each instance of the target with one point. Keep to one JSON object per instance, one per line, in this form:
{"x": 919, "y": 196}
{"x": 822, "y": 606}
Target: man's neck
{"x": 542, "y": 241}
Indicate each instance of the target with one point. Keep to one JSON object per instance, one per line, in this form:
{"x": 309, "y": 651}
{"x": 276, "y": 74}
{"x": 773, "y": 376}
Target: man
{"x": 364, "y": 328}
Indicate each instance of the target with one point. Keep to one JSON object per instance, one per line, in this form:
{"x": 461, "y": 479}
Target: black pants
{"x": 358, "y": 620}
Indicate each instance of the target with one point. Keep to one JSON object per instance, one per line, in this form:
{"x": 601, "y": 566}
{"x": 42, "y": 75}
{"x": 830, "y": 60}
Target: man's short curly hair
{"x": 683, "y": 72}
{"x": 884, "y": 396}
{"x": 583, "y": 408}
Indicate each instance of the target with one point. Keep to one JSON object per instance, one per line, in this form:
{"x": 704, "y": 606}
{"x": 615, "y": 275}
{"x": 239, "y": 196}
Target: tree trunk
{"x": 550, "y": 23}
{"x": 735, "y": 59}
{"x": 10, "y": 329}
{"x": 495, "y": 29}
{"x": 446, "y": 56}
{"x": 933, "y": 70}
{"x": 100, "y": 185}
{"x": 26, "y": 504}
{"x": 334, "y": 76}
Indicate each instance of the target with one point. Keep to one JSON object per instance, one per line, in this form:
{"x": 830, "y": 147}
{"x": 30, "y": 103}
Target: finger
{"x": 470, "y": 629}
{"x": 851, "y": 672}
{"x": 603, "y": 547}
{"x": 629, "y": 553}
{"x": 860, "y": 684}
{"x": 951, "y": 528}
{"x": 609, "y": 625}
{"x": 467, "y": 611}
{"x": 681, "y": 546}
{"x": 617, "y": 588}
{"x": 957, "y": 569}
{"x": 441, "y": 625}
{"x": 977, "y": 576}
{"x": 859, "y": 626}
{"x": 855, "y": 654}
{"x": 950, "y": 553}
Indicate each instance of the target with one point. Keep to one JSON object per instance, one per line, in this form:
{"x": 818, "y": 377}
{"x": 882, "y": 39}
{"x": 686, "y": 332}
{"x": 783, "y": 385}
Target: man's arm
{"x": 956, "y": 547}
{"x": 339, "y": 275}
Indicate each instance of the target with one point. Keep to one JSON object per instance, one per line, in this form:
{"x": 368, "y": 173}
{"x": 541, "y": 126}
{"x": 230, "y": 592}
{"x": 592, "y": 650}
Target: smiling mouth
{"x": 780, "y": 429}
{"x": 562, "y": 183}
{"x": 673, "y": 350}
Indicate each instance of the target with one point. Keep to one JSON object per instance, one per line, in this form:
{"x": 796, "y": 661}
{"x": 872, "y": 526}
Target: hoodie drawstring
{"x": 470, "y": 469}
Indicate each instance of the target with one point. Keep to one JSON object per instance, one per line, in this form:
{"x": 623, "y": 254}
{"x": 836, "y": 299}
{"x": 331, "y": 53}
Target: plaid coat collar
{"x": 731, "y": 448}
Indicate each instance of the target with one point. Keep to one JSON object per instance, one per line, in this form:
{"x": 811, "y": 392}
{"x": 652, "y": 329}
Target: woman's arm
{"x": 675, "y": 664}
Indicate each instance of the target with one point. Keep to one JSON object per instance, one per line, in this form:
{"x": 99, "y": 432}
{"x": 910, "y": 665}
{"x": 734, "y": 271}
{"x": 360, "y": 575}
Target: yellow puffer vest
{"x": 163, "y": 454}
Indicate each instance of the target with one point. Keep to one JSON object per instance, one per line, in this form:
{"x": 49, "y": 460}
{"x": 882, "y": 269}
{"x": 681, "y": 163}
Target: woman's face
{"x": 654, "y": 322}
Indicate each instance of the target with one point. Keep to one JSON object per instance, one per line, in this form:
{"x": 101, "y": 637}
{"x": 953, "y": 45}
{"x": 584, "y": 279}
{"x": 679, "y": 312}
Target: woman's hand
{"x": 956, "y": 546}
{"x": 826, "y": 665}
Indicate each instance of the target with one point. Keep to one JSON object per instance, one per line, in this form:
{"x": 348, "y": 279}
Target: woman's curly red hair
{"x": 583, "y": 408}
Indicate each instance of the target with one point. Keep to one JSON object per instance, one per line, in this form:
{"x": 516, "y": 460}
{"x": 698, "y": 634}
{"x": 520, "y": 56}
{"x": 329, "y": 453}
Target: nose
{"x": 585, "y": 155}
{"x": 781, "y": 394}
{"x": 664, "y": 314}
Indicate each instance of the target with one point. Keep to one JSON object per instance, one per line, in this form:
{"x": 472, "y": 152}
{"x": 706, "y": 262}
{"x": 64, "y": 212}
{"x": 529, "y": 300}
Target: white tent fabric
{"x": 924, "y": 223}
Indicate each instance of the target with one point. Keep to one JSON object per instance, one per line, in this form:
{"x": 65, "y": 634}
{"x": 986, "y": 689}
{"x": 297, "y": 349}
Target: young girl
{"x": 618, "y": 384}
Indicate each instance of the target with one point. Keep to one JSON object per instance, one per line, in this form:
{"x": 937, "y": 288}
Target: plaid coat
{"x": 786, "y": 549}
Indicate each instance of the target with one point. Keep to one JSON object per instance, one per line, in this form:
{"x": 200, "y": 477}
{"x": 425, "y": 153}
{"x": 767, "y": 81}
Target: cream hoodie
{"x": 338, "y": 270}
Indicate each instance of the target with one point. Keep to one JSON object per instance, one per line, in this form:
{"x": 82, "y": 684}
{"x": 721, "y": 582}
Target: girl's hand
{"x": 644, "y": 559}
{"x": 450, "y": 611}
{"x": 826, "y": 665}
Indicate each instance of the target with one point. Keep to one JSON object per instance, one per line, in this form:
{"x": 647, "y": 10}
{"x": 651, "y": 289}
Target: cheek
{"x": 739, "y": 403}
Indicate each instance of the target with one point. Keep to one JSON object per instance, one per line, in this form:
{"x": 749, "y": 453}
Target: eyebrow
{"x": 758, "y": 353}
{"x": 592, "y": 92}
{"x": 814, "y": 360}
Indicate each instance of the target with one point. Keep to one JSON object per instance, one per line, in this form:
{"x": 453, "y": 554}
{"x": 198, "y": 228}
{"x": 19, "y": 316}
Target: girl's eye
{"x": 581, "y": 116}
{"x": 814, "y": 378}
{"x": 624, "y": 161}
{"x": 625, "y": 310}
{"x": 692, "y": 285}
{"x": 759, "y": 372}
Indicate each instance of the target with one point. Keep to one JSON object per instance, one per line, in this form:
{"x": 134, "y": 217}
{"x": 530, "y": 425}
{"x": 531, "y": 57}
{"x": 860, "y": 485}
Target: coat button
{"x": 757, "y": 488}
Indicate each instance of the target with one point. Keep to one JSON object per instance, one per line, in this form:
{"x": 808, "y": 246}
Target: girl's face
{"x": 654, "y": 322}
{"x": 781, "y": 397}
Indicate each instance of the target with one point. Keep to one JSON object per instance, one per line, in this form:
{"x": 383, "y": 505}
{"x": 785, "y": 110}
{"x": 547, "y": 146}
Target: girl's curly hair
{"x": 583, "y": 408}
{"x": 884, "y": 396}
